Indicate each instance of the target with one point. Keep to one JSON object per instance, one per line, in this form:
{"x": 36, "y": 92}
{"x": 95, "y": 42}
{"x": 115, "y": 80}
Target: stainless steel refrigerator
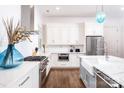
{"x": 94, "y": 45}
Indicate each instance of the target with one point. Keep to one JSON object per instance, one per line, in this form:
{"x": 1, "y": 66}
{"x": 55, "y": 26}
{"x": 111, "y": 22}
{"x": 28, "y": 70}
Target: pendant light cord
{"x": 102, "y": 6}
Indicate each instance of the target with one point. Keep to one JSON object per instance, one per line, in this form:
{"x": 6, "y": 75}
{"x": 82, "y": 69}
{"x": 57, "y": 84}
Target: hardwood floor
{"x": 64, "y": 78}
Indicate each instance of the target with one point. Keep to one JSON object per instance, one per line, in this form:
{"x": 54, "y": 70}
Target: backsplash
{"x": 63, "y": 48}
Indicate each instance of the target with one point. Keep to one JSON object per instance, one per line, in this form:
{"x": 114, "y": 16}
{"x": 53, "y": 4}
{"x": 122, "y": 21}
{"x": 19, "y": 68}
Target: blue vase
{"x": 10, "y": 57}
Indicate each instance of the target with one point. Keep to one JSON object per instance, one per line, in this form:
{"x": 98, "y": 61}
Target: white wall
{"x": 26, "y": 47}
{"x": 8, "y": 11}
{"x": 114, "y": 36}
{"x": 62, "y": 48}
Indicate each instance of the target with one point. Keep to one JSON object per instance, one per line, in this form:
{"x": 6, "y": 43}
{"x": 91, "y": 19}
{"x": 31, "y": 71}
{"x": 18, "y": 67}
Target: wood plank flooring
{"x": 64, "y": 78}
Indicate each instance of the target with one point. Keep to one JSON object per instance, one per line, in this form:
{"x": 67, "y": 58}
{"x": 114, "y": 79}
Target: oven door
{"x": 42, "y": 76}
{"x": 63, "y": 57}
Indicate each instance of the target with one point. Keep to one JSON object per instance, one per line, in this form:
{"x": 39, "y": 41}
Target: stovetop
{"x": 35, "y": 58}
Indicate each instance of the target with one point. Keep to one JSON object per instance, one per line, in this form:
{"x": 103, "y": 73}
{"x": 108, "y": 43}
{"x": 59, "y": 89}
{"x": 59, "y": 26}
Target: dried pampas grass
{"x": 15, "y": 34}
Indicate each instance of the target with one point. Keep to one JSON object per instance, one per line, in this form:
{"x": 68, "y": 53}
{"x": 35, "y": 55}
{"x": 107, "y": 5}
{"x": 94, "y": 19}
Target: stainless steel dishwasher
{"x": 104, "y": 81}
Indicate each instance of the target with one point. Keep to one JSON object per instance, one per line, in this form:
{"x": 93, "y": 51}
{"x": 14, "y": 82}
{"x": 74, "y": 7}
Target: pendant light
{"x": 100, "y": 16}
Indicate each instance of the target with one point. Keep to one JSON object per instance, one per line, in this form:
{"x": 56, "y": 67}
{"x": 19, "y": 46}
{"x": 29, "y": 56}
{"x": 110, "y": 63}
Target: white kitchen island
{"x": 112, "y": 67}
{"x": 24, "y": 76}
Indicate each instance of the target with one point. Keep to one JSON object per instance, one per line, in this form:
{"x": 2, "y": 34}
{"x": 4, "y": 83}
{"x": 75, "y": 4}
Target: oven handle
{"x": 115, "y": 85}
{"x": 43, "y": 69}
{"x": 45, "y": 62}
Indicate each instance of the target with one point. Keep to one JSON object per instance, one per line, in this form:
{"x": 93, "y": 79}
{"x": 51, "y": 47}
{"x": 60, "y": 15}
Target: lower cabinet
{"x": 74, "y": 61}
{"x": 29, "y": 80}
{"x": 88, "y": 79}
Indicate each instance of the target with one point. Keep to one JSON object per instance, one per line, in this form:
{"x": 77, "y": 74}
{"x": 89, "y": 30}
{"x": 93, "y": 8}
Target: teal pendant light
{"x": 100, "y": 16}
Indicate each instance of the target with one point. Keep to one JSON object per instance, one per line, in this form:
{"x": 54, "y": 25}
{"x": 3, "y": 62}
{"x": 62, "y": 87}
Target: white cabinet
{"x": 30, "y": 79}
{"x": 64, "y": 34}
{"x": 93, "y": 29}
{"x": 35, "y": 76}
{"x": 88, "y": 79}
{"x": 23, "y": 82}
{"x": 73, "y": 62}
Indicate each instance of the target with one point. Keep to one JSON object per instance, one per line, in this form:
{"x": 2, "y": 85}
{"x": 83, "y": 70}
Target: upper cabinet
{"x": 93, "y": 29}
{"x": 64, "y": 34}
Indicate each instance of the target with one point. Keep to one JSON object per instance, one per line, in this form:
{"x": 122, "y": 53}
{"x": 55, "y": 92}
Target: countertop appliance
{"x": 63, "y": 57}
{"x": 77, "y": 50}
{"x": 43, "y": 66}
{"x": 94, "y": 45}
{"x": 71, "y": 50}
{"x": 104, "y": 81}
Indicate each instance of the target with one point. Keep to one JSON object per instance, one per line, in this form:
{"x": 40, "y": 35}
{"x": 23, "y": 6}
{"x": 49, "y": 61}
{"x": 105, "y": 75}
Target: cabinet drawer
{"x": 23, "y": 82}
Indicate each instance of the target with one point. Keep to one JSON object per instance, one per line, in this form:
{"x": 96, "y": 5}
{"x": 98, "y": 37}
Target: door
{"x": 100, "y": 46}
{"x": 91, "y": 43}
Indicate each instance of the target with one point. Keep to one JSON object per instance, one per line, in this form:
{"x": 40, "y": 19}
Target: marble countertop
{"x": 114, "y": 71}
{"x": 7, "y": 76}
{"x": 113, "y": 67}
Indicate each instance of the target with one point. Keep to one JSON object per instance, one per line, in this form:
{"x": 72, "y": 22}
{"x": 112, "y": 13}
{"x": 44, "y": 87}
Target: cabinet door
{"x": 63, "y": 33}
{"x": 35, "y": 76}
{"x": 82, "y": 72}
{"x": 74, "y": 60}
{"x": 90, "y": 80}
{"x": 93, "y": 29}
{"x": 54, "y": 59}
{"x": 50, "y": 35}
{"x": 74, "y": 34}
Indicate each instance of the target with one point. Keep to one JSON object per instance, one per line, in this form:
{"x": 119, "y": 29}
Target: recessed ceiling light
{"x": 57, "y": 8}
{"x": 122, "y": 8}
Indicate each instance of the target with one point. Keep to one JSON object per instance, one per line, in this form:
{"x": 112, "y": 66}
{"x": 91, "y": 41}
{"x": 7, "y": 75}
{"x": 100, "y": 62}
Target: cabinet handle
{"x": 24, "y": 81}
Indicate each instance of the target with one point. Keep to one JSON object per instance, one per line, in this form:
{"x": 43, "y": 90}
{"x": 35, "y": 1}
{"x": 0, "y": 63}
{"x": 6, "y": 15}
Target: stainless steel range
{"x": 43, "y": 65}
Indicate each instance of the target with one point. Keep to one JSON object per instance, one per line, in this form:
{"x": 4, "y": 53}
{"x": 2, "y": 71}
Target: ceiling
{"x": 80, "y": 10}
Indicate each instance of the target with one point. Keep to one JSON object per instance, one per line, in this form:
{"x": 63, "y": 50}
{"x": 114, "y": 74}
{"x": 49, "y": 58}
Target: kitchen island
{"x": 113, "y": 67}
{"x": 24, "y": 76}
